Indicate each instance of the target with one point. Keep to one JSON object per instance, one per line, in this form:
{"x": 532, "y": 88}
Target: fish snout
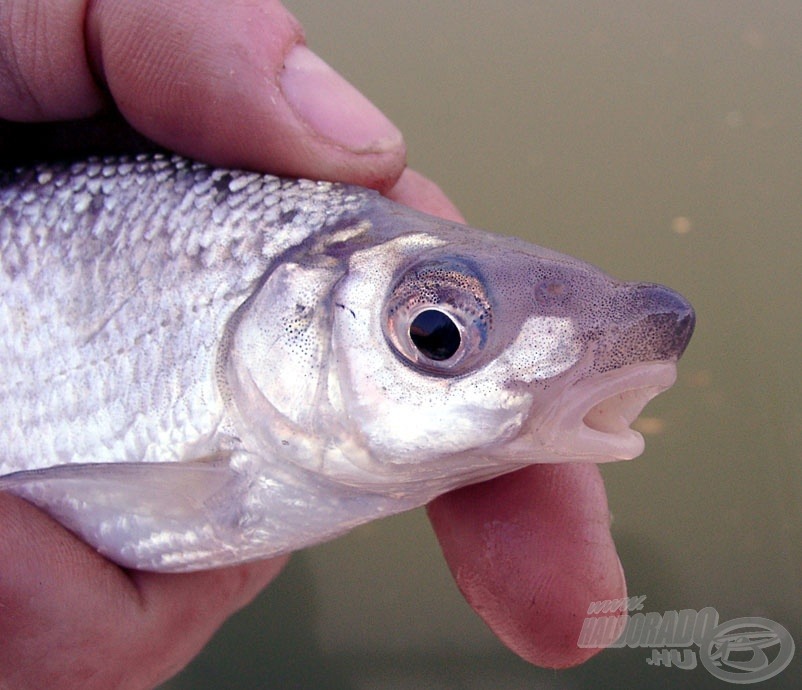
{"x": 653, "y": 323}
{"x": 667, "y": 320}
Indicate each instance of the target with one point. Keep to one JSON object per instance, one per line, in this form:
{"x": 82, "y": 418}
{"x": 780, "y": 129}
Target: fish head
{"x": 440, "y": 353}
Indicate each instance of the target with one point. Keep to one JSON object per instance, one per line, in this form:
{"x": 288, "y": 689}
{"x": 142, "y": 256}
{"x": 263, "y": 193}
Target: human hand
{"x": 227, "y": 83}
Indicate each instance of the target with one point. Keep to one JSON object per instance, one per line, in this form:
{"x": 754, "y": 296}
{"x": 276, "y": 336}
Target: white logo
{"x": 742, "y": 650}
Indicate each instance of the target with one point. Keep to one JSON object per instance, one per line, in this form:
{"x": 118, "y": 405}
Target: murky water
{"x": 663, "y": 142}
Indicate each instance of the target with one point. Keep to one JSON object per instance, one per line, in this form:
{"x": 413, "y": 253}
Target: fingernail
{"x": 333, "y": 107}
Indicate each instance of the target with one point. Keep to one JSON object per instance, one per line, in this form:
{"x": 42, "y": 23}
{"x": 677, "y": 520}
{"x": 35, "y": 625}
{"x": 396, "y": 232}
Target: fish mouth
{"x": 592, "y": 418}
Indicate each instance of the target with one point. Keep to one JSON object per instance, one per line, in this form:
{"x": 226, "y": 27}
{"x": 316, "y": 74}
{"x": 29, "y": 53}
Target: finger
{"x": 233, "y": 84}
{"x": 530, "y": 551}
{"x": 68, "y": 615}
{"x": 417, "y": 191}
{"x": 228, "y": 83}
{"x": 182, "y": 611}
{"x": 44, "y": 71}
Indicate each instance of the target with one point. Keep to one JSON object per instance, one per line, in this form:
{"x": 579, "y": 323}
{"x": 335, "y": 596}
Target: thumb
{"x": 231, "y": 83}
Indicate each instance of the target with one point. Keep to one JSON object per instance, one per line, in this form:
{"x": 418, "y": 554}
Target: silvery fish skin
{"x": 202, "y": 367}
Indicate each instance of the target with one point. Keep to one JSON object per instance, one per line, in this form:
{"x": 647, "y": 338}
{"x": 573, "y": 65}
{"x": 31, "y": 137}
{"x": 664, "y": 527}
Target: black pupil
{"x": 435, "y": 335}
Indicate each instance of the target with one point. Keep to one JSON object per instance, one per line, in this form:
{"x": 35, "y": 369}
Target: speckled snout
{"x": 656, "y": 325}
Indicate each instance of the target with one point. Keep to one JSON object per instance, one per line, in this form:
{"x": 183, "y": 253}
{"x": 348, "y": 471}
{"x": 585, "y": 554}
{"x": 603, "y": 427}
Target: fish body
{"x": 203, "y": 366}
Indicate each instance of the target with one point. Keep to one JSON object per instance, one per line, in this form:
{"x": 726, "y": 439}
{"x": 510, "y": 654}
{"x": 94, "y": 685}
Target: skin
{"x": 529, "y": 551}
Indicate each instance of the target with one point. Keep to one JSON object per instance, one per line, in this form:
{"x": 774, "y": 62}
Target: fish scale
{"x": 111, "y": 283}
{"x": 200, "y": 367}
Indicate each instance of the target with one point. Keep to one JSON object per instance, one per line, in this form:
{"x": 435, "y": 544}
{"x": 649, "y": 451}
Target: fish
{"x": 203, "y": 366}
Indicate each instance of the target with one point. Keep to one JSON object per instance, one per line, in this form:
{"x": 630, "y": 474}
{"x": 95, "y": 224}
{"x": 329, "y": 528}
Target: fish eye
{"x": 435, "y": 334}
{"x": 437, "y": 318}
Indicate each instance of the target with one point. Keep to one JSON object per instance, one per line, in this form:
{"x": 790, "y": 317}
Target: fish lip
{"x": 591, "y": 419}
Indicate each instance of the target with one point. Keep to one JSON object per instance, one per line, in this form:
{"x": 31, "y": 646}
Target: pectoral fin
{"x": 160, "y": 516}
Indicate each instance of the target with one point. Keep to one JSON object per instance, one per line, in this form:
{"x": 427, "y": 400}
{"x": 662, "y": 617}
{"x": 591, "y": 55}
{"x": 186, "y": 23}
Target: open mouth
{"x": 592, "y": 418}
